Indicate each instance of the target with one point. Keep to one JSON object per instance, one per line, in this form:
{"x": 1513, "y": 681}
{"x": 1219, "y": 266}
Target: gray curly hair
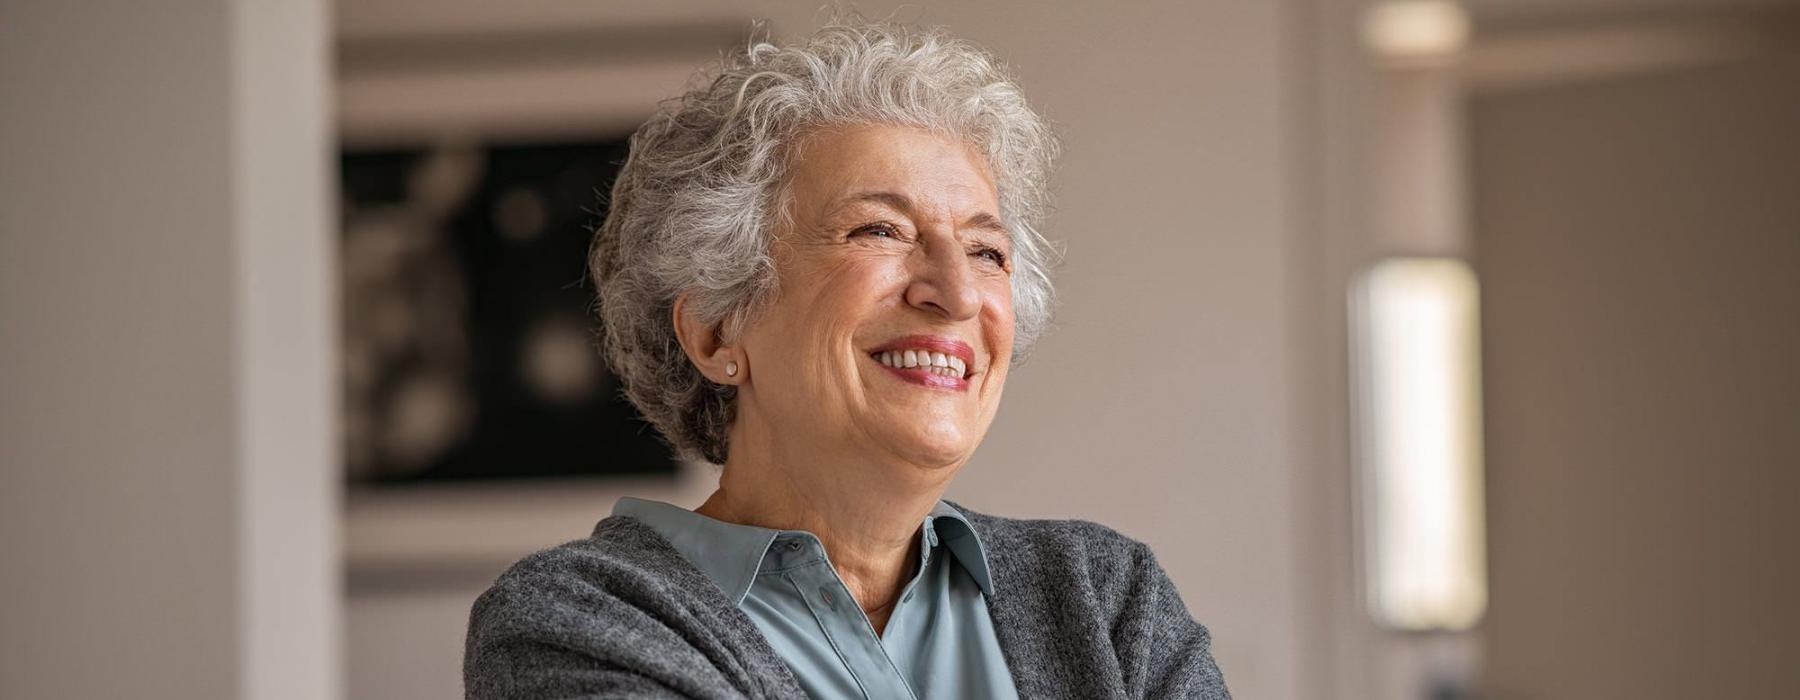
{"x": 698, "y": 199}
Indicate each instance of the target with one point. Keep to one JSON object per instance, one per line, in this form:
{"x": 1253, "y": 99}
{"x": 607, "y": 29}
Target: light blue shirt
{"x": 939, "y": 641}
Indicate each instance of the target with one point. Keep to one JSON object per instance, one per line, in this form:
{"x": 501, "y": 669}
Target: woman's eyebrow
{"x": 986, "y": 222}
{"x": 891, "y": 200}
{"x": 981, "y": 221}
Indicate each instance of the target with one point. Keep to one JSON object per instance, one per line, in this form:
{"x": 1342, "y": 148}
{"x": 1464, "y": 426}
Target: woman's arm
{"x": 519, "y": 668}
{"x": 1163, "y": 651}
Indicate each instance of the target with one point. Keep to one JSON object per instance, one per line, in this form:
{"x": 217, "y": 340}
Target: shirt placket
{"x": 843, "y": 621}
{"x": 899, "y": 618}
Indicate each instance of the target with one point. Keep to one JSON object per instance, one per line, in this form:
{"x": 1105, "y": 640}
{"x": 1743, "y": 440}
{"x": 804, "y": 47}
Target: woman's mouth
{"x": 924, "y": 360}
{"x": 929, "y": 360}
{"x": 923, "y": 368}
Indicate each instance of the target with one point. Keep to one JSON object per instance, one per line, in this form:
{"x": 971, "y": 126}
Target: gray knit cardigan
{"x": 1081, "y": 612}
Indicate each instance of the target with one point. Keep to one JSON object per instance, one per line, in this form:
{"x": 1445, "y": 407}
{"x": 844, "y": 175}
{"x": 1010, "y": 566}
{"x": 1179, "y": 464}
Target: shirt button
{"x": 906, "y": 598}
{"x": 830, "y": 600}
{"x": 793, "y": 545}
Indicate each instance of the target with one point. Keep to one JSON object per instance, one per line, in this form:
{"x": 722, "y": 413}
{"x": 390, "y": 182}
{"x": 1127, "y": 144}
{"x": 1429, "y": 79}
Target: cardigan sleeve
{"x": 561, "y": 624}
{"x": 524, "y": 644}
{"x": 1163, "y": 651}
{"x": 523, "y": 668}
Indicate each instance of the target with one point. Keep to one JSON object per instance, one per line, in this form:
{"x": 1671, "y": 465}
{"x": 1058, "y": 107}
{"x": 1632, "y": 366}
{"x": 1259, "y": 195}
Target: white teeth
{"x": 933, "y": 362}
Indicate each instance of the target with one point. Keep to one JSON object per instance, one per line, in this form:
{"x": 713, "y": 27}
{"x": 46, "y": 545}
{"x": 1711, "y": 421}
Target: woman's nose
{"x": 942, "y": 280}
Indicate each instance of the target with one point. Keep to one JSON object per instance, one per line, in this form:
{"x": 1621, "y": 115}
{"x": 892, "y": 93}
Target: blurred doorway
{"x": 1636, "y": 226}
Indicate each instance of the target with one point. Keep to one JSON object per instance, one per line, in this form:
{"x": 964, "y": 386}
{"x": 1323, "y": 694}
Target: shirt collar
{"x": 732, "y": 554}
{"x": 728, "y": 553}
{"x": 953, "y": 530}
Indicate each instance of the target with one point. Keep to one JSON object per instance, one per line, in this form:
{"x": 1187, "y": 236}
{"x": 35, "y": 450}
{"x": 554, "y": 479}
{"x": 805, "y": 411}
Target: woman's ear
{"x": 717, "y": 361}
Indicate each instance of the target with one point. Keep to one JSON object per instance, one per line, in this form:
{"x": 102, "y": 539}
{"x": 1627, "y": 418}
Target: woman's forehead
{"x": 897, "y": 168}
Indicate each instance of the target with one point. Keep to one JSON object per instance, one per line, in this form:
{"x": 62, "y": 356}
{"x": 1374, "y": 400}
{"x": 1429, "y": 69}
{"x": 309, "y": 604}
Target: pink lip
{"x": 948, "y": 346}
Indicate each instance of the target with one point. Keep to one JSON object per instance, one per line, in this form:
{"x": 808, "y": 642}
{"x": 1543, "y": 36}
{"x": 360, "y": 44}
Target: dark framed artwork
{"x": 470, "y": 344}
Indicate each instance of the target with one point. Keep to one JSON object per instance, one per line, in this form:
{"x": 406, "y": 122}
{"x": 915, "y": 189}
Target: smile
{"x": 934, "y": 362}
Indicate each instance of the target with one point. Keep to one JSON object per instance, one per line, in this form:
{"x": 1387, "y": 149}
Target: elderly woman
{"x": 816, "y": 272}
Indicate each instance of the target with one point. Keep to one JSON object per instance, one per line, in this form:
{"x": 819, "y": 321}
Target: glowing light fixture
{"x": 1418, "y": 393}
{"x": 1415, "y": 29}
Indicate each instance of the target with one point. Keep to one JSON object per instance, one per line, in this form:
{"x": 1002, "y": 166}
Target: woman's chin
{"x": 944, "y": 448}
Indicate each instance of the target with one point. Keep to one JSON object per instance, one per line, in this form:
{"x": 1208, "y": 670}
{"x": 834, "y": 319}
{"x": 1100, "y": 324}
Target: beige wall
{"x": 103, "y": 483}
{"x": 167, "y": 481}
{"x": 1639, "y": 238}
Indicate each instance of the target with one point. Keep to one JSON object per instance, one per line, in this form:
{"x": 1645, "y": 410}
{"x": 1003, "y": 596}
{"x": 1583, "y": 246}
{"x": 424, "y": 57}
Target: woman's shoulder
{"x": 1059, "y": 558}
{"x": 619, "y": 609}
{"x": 616, "y": 579}
{"x": 1058, "y": 537}
{"x": 621, "y": 559}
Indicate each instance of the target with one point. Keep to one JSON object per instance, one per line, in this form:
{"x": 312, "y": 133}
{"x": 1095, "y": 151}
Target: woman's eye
{"x": 993, "y": 254}
{"x": 877, "y": 230}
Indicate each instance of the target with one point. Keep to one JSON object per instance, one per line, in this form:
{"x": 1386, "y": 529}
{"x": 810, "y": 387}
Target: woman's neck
{"x": 868, "y": 524}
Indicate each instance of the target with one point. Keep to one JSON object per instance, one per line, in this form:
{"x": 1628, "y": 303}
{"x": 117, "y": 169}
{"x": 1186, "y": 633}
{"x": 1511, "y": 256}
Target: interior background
{"x": 173, "y": 515}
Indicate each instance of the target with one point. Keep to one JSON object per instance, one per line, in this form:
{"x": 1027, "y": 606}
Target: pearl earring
{"x": 731, "y": 369}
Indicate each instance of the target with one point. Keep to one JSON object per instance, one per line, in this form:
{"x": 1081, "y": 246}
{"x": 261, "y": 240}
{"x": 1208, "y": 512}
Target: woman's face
{"x": 894, "y": 260}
